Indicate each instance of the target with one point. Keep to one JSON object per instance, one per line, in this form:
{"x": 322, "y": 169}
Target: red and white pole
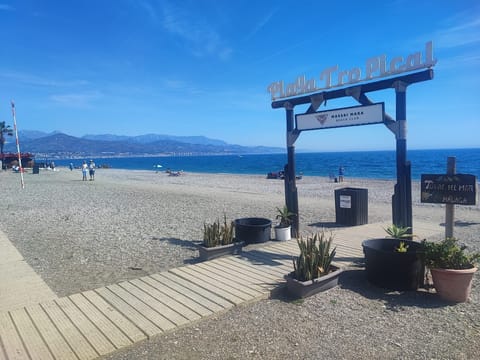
{"x": 18, "y": 145}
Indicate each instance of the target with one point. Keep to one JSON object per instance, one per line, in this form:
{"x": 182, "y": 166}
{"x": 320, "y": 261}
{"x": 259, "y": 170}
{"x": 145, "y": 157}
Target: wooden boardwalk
{"x": 19, "y": 284}
{"x": 98, "y": 322}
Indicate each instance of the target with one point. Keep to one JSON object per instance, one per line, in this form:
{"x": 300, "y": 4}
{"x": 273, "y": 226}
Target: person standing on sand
{"x": 91, "y": 169}
{"x": 84, "y": 170}
{"x": 341, "y": 172}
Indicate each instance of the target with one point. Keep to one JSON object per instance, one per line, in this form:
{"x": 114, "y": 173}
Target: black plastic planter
{"x": 253, "y": 230}
{"x": 391, "y": 269}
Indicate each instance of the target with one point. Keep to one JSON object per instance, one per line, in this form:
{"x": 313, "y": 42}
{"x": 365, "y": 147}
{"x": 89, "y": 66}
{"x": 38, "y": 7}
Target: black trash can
{"x": 351, "y": 206}
{"x": 253, "y": 230}
{"x": 36, "y": 169}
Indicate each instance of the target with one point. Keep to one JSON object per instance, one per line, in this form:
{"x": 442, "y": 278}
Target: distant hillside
{"x": 62, "y": 145}
{"x": 150, "y": 138}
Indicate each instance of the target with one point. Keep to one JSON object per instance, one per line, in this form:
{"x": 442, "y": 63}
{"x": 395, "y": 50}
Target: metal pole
{"x": 291, "y": 195}
{"x": 18, "y": 145}
{"x": 450, "y": 208}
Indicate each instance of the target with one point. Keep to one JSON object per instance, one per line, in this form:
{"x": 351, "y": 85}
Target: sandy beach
{"x": 80, "y": 235}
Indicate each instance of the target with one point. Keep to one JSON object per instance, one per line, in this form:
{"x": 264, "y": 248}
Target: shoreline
{"x": 352, "y": 179}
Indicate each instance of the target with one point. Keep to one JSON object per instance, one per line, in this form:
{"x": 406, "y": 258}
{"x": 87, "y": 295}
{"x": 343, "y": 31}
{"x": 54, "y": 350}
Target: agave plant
{"x": 314, "y": 259}
{"x": 285, "y": 216}
{"x": 400, "y": 232}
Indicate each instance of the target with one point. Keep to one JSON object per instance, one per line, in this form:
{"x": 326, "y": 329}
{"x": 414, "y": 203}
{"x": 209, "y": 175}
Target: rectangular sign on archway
{"x": 349, "y": 116}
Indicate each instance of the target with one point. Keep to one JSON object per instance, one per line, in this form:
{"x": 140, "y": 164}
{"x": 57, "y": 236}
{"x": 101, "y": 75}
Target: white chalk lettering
{"x": 375, "y": 67}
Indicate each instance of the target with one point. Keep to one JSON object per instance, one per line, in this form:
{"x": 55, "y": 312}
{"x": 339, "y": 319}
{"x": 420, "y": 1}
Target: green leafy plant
{"x": 448, "y": 254}
{"x": 402, "y": 247}
{"x": 400, "y": 232}
{"x": 217, "y": 234}
{"x": 285, "y": 216}
{"x": 315, "y": 259}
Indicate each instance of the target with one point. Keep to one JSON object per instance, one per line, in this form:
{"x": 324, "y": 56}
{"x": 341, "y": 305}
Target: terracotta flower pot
{"x": 453, "y": 285}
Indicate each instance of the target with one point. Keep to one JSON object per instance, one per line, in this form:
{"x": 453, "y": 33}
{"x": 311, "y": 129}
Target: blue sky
{"x": 131, "y": 67}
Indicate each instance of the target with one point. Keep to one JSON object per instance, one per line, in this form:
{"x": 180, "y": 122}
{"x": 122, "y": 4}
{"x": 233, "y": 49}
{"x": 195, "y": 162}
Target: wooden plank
{"x": 129, "y": 312}
{"x": 173, "y": 317}
{"x": 32, "y": 340}
{"x": 54, "y": 340}
{"x": 263, "y": 260}
{"x": 287, "y": 247}
{"x": 197, "y": 294}
{"x": 208, "y": 294}
{"x": 75, "y": 339}
{"x": 20, "y": 286}
{"x": 346, "y": 250}
{"x": 172, "y": 303}
{"x": 282, "y": 259}
{"x": 277, "y": 248}
{"x": 233, "y": 282}
{"x": 11, "y": 339}
{"x": 348, "y": 245}
{"x": 233, "y": 276}
{"x": 259, "y": 281}
{"x": 264, "y": 271}
{"x": 116, "y": 337}
{"x": 196, "y": 307}
{"x": 211, "y": 285}
{"x": 279, "y": 261}
{"x": 125, "y": 325}
{"x": 250, "y": 270}
{"x": 156, "y": 318}
{"x": 99, "y": 342}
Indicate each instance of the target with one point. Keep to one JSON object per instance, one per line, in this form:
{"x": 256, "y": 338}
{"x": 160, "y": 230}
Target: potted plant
{"x": 283, "y": 229}
{"x": 218, "y": 240}
{"x": 313, "y": 270}
{"x": 451, "y": 267}
{"x": 393, "y": 262}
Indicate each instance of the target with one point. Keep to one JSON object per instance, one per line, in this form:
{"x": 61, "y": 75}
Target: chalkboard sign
{"x": 449, "y": 189}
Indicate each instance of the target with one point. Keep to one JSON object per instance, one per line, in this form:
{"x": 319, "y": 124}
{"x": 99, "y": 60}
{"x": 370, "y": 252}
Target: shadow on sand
{"x": 356, "y": 280}
{"x": 188, "y": 244}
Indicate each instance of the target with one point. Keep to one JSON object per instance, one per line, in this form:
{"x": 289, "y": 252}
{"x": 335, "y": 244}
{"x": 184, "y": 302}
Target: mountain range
{"x": 60, "y": 145}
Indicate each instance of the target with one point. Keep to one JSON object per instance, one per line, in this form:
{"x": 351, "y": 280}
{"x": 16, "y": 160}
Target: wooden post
{"x": 291, "y": 195}
{"x": 450, "y": 208}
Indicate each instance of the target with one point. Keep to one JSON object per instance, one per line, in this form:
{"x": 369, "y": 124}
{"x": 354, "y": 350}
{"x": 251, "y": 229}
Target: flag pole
{"x": 18, "y": 145}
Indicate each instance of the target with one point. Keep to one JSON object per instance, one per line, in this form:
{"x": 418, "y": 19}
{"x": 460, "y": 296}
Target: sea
{"x": 358, "y": 164}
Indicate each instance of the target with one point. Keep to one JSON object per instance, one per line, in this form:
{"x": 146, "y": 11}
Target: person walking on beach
{"x": 341, "y": 172}
{"x": 91, "y": 169}
{"x": 84, "y": 170}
